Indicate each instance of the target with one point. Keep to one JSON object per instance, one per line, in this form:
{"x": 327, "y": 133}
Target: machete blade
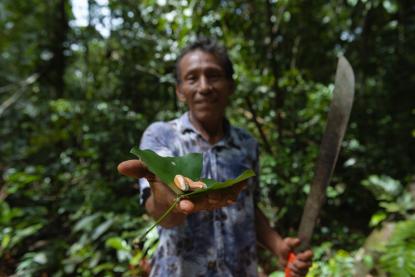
{"x": 338, "y": 117}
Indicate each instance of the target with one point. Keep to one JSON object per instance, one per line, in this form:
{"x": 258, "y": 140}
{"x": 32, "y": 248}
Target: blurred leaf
{"x": 377, "y": 218}
{"x": 383, "y": 187}
{"x": 117, "y": 243}
{"x": 398, "y": 258}
{"x": 102, "y": 228}
{"x": 40, "y": 258}
{"x": 86, "y": 223}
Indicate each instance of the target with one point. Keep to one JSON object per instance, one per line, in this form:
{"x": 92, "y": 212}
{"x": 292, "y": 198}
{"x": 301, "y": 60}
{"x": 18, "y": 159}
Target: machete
{"x": 338, "y": 117}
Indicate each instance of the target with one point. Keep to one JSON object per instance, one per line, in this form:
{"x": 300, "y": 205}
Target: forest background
{"x": 81, "y": 80}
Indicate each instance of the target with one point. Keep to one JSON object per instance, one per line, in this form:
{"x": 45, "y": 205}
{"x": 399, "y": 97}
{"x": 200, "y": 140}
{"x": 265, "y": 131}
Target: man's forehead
{"x": 198, "y": 58}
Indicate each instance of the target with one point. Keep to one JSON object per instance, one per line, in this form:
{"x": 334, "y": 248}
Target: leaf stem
{"x": 160, "y": 219}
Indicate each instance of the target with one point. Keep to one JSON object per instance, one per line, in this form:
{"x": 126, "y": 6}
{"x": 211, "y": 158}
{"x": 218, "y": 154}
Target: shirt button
{"x": 211, "y": 264}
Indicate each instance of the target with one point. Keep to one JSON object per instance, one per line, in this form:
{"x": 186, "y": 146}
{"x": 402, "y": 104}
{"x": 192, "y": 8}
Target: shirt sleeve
{"x": 156, "y": 138}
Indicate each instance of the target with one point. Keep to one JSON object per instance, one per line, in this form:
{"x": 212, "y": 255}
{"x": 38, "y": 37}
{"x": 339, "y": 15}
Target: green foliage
{"x": 384, "y": 252}
{"x": 394, "y": 201}
{"x": 340, "y": 264}
{"x": 398, "y": 258}
{"x": 74, "y": 99}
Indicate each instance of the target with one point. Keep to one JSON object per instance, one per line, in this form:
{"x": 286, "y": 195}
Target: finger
{"x": 135, "y": 168}
{"x": 237, "y": 188}
{"x": 305, "y": 256}
{"x": 301, "y": 266}
{"x": 162, "y": 192}
{"x": 214, "y": 198}
{"x": 296, "y": 272}
{"x": 230, "y": 195}
{"x": 231, "y": 199}
{"x": 196, "y": 204}
{"x": 288, "y": 246}
{"x": 292, "y": 243}
{"x": 186, "y": 206}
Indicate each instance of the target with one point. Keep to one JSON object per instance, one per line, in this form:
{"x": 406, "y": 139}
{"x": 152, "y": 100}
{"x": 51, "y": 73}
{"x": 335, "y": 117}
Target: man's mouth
{"x": 206, "y": 102}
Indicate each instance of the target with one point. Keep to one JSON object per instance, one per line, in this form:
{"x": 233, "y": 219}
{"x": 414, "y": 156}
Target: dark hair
{"x": 209, "y": 46}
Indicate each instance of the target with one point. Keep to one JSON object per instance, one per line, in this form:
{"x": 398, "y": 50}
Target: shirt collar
{"x": 185, "y": 124}
{"x": 230, "y": 138}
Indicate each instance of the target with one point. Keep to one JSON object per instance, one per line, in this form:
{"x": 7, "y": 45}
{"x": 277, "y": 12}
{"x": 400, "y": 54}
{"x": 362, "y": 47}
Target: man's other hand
{"x": 300, "y": 266}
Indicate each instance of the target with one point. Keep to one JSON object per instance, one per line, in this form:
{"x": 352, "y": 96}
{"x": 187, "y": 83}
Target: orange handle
{"x": 291, "y": 259}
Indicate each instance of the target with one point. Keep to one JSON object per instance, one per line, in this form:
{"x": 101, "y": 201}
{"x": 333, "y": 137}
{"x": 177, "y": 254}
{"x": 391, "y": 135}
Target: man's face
{"x": 204, "y": 86}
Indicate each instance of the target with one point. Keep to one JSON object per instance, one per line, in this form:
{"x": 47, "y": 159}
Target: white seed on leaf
{"x": 198, "y": 185}
{"x": 181, "y": 183}
{"x": 195, "y": 184}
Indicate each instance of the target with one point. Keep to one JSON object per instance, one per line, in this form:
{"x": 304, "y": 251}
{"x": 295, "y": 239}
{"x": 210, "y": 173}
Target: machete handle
{"x": 291, "y": 259}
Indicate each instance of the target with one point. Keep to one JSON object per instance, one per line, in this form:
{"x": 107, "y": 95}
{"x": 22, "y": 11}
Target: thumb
{"x": 288, "y": 246}
{"x": 292, "y": 243}
{"x": 134, "y": 168}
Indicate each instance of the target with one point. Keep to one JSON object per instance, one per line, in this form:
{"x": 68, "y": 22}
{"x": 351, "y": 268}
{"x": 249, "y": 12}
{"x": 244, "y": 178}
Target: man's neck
{"x": 212, "y": 131}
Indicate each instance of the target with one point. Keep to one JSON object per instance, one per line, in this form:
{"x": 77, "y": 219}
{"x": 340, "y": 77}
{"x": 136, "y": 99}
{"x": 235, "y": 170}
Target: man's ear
{"x": 180, "y": 94}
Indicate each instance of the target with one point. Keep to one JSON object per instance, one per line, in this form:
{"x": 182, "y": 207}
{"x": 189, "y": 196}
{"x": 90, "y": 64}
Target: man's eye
{"x": 215, "y": 76}
{"x": 191, "y": 78}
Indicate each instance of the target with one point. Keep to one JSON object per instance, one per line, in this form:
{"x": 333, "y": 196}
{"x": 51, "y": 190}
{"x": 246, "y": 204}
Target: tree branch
{"x": 258, "y": 126}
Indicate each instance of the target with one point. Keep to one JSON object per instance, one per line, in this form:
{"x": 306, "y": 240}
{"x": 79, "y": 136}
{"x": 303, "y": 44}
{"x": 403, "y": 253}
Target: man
{"x": 215, "y": 234}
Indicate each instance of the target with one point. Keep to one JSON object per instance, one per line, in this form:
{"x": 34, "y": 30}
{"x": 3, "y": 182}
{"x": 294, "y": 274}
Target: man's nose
{"x": 204, "y": 85}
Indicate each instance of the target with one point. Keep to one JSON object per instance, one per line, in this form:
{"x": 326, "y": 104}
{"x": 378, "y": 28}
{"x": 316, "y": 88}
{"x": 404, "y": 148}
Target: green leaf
{"x": 86, "y": 222}
{"x": 190, "y": 165}
{"x": 102, "y": 228}
{"x": 40, "y": 258}
{"x": 138, "y": 256}
{"x": 213, "y": 185}
{"x": 166, "y": 168}
{"x": 377, "y": 218}
{"x": 117, "y": 243}
{"x": 5, "y": 241}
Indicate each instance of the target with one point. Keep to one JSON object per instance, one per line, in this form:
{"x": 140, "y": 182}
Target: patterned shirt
{"x": 210, "y": 243}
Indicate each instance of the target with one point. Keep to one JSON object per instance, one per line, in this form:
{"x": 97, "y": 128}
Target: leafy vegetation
{"x": 399, "y": 254}
{"x": 75, "y": 96}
